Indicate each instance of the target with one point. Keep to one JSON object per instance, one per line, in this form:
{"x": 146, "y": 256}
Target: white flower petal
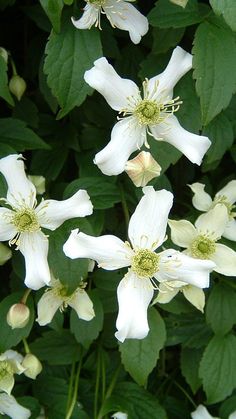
{"x": 191, "y": 145}
{"x": 201, "y": 200}
{"x": 134, "y": 295}
{"x": 195, "y": 296}
{"x": 7, "y": 230}
{"x": 165, "y": 295}
{"x": 229, "y": 191}
{"x": 126, "y": 17}
{"x": 213, "y": 221}
{"x": 20, "y": 189}
{"x": 34, "y": 247}
{"x": 182, "y": 232}
{"x": 126, "y": 137}
{"x": 120, "y": 415}
{"x": 106, "y": 81}
{"x": 12, "y": 356}
{"x": 225, "y": 260}
{"x": 89, "y": 17}
{"x": 108, "y": 251}
{"x": 201, "y": 413}
{"x": 230, "y": 230}
{"x": 179, "y": 64}
{"x": 47, "y": 306}
{"x": 175, "y": 265}
{"x": 82, "y": 304}
{"x": 52, "y": 213}
{"x": 233, "y": 415}
{"x": 10, "y": 407}
{"x": 147, "y": 227}
{"x": 7, "y": 383}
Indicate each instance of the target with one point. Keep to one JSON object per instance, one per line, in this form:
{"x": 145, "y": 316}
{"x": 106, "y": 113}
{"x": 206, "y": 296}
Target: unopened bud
{"x": 39, "y": 183}
{"x": 181, "y": 3}
{"x": 5, "y": 254}
{"x": 32, "y": 366}
{"x": 4, "y": 54}
{"x": 17, "y": 86}
{"x": 142, "y": 168}
{"x": 18, "y": 316}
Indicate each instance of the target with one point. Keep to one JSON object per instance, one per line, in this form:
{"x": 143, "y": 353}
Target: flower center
{"x": 97, "y": 2}
{"x": 203, "y": 247}
{"x": 150, "y": 112}
{"x": 145, "y": 263}
{"x": 5, "y": 369}
{"x": 25, "y": 220}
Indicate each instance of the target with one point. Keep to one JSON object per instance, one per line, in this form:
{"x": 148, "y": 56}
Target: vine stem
{"x": 70, "y": 385}
{"x": 109, "y": 391}
{"x": 25, "y": 296}
{"x": 75, "y": 393}
{"x": 183, "y": 391}
{"x": 26, "y": 346}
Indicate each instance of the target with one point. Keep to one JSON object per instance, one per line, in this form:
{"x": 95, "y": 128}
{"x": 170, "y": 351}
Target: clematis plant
{"x": 153, "y": 114}
{"x": 56, "y": 297}
{"x": 120, "y": 13}
{"x": 10, "y": 364}
{"x": 10, "y": 407}
{"x": 202, "y": 413}
{"x": 21, "y": 223}
{"x": 226, "y": 196}
{"x": 200, "y": 240}
{"x": 147, "y": 230}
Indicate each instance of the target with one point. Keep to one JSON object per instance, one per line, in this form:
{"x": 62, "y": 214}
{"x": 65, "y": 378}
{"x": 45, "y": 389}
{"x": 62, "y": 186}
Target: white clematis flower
{"x": 56, "y": 297}
{"x": 147, "y": 229}
{"x": 200, "y": 240}
{"x": 23, "y": 222}
{"x": 226, "y": 196}
{"x": 202, "y": 413}
{"x": 10, "y": 364}
{"x": 154, "y": 113}
{"x": 168, "y": 290}
{"x": 120, "y": 13}
{"x": 10, "y": 407}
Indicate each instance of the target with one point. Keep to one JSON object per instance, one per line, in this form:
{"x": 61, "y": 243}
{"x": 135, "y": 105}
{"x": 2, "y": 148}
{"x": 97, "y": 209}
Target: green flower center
{"x": 203, "y": 247}
{"x": 145, "y": 263}
{"x": 97, "y": 2}
{"x": 5, "y": 369}
{"x": 150, "y": 112}
{"x": 25, "y": 220}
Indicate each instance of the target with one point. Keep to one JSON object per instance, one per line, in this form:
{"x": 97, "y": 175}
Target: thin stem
{"x": 109, "y": 391}
{"x": 124, "y": 204}
{"x": 103, "y": 375}
{"x": 25, "y": 296}
{"x": 26, "y": 346}
{"x": 13, "y": 67}
{"x": 72, "y": 375}
{"x": 75, "y": 393}
{"x": 185, "y": 393}
{"x": 96, "y": 395}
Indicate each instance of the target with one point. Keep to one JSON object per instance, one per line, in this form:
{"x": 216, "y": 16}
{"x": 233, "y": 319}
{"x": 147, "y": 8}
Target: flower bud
{"x": 4, "y": 54}
{"x": 142, "y": 168}
{"x": 17, "y": 86}
{"x": 39, "y": 183}
{"x": 5, "y": 254}
{"x": 32, "y": 366}
{"x": 181, "y": 3}
{"x": 18, "y": 316}
{"x": 120, "y": 415}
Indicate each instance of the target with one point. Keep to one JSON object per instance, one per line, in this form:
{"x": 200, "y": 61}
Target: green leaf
{"x": 134, "y": 400}
{"x": 190, "y": 360}
{"x": 26, "y": 111}
{"x": 221, "y": 309}
{"x": 103, "y": 193}
{"x": 69, "y": 55}
{"x": 226, "y": 8}
{"x": 166, "y": 14}
{"x": 164, "y": 39}
{"x": 84, "y": 331}
{"x": 53, "y": 9}
{"x": 216, "y": 368}
{"x": 164, "y": 153}
{"x": 221, "y": 134}
{"x": 14, "y": 133}
{"x": 215, "y": 83}
{"x": 139, "y": 356}
{"x": 4, "y": 91}
{"x": 46, "y": 348}
{"x": 8, "y": 337}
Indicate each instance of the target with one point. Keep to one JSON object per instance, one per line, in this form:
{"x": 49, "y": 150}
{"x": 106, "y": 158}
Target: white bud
{"x": 17, "y": 86}
{"x": 18, "y": 316}
{"x": 39, "y": 183}
{"x": 4, "y": 54}
{"x": 181, "y": 3}
{"x": 32, "y": 366}
{"x": 142, "y": 168}
{"x": 5, "y": 254}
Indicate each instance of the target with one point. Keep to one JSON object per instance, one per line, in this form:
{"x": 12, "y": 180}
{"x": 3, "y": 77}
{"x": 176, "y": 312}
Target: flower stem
{"x": 26, "y": 346}
{"x": 75, "y": 393}
{"x": 184, "y": 392}
{"x": 25, "y": 296}
{"x": 124, "y": 204}
{"x": 72, "y": 375}
{"x": 96, "y": 395}
{"x": 109, "y": 391}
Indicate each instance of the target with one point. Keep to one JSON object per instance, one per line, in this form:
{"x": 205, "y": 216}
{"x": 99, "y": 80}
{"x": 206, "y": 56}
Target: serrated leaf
{"x": 215, "y": 84}
{"x": 167, "y": 15}
{"x": 221, "y": 309}
{"x": 221, "y": 134}
{"x": 139, "y": 356}
{"x": 84, "y": 331}
{"x": 15, "y": 133}
{"x": 226, "y": 8}
{"x": 65, "y": 67}
{"x": 8, "y": 337}
{"x": 190, "y": 359}
{"x": 216, "y": 368}
{"x": 4, "y": 90}
{"x": 53, "y": 10}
